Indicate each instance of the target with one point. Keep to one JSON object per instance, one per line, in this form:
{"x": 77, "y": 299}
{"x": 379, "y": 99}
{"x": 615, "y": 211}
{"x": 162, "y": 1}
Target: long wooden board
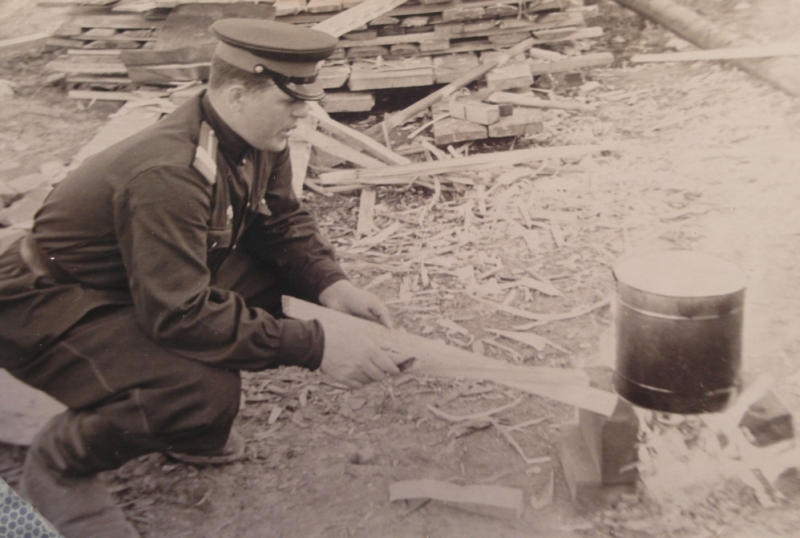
{"x": 732, "y": 53}
{"x": 438, "y": 359}
{"x": 491, "y": 160}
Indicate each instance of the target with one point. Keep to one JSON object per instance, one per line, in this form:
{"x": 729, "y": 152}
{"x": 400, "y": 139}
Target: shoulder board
{"x": 205, "y": 156}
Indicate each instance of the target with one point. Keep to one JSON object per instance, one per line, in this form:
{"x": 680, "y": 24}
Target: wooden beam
{"x": 366, "y": 212}
{"x": 484, "y": 499}
{"x": 782, "y": 73}
{"x": 355, "y": 137}
{"x": 349, "y": 20}
{"x": 733, "y": 53}
{"x": 339, "y": 149}
{"x": 531, "y": 101}
{"x": 33, "y": 43}
{"x": 473, "y": 162}
{"x": 438, "y": 359}
{"x": 571, "y": 63}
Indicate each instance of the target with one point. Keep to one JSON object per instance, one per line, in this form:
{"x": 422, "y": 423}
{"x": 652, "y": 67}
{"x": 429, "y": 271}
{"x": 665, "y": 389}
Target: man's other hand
{"x": 343, "y": 296}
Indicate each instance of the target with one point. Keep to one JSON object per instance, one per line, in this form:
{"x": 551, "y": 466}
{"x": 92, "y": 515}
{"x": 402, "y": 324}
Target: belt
{"x": 40, "y": 264}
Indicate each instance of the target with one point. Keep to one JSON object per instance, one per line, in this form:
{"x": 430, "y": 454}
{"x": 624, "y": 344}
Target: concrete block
{"x": 583, "y": 478}
{"x": 452, "y": 130}
{"x": 522, "y": 121}
{"x": 611, "y": 440}
{"x": 768, "y": 421}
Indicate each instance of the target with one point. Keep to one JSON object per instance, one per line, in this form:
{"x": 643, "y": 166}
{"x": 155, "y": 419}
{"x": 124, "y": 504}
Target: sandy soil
{"x": 707, "y": 160}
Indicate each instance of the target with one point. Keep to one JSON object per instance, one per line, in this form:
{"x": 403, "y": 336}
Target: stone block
{"x": 768, "y": 421}
{"x": 611, "y": 441}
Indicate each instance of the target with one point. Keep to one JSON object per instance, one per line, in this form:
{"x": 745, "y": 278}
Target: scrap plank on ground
{"x": 499, "y": 501}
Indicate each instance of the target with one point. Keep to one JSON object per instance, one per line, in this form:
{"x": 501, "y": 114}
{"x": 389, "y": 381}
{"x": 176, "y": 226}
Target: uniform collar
{"x": 230, "y": 143}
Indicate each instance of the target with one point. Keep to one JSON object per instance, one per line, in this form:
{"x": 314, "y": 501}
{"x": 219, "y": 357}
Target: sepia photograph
{"x": 399, "y": 268}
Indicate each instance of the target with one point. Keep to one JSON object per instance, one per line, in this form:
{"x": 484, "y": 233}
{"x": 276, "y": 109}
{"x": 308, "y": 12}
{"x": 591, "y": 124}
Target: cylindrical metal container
{"x": 679, "y": 330}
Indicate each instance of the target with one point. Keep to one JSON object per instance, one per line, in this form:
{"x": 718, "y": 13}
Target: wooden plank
{"x": 391, "y": 74}
{"x": 355, "y": 137}
{"x": 324, "y": 6}
{"x": 479, "y": 161}
{"x": 336, "y": 102}
{"x": 518, "y": 99}
{"x": 474, "y": 110}
{"x": 349, "y": 20}
{"x": 119, "y": 22}
{"x": 436, "y": 358}
{"x": 522, "y": 121}
{"x": 511, "y": 75}
{"x": 454, "y": 130}
{"x": 488, "y": 500}
{"x": 366, "y": 212}
{"x": 115, "y": 95}
{"x": 289, "y": 7}
{"x": 86, "y": 68}
{"x": 299, "y": 154}
{"x": 733, "y": 53}
{"x": 128, "y": 120}
{"x": 448, "y": 68}
{"x": 333, "y": 76}
{"x": 29, "y": 44}
{"x": 571, "y": 63}
{"x": 339, "y": 149}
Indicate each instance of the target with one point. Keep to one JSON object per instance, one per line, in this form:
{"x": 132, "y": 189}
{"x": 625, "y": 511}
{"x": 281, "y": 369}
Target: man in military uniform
{"x": 153, "y": 275}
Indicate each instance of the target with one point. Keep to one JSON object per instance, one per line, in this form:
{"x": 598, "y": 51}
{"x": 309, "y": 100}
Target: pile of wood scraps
{"x": 384, "y": 45}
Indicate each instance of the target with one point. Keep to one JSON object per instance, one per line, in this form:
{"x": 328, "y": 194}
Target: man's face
{"x": 267, "y": 117}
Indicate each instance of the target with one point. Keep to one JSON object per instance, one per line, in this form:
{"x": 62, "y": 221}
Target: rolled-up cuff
{"x": 302, "y": 343}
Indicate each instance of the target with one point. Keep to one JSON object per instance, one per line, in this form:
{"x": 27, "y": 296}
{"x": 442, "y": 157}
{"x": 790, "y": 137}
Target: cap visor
{"x": 304, "y": 92}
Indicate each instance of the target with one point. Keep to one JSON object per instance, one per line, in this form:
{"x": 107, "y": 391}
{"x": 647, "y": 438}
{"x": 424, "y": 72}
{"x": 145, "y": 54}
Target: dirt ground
{"x": 707, "y": 159}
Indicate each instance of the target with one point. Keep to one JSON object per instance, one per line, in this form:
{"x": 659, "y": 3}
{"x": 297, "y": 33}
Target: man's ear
{"x": 234, "y": 96}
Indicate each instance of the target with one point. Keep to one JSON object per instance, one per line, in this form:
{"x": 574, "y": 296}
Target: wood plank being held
{"x": 438, "y": 359}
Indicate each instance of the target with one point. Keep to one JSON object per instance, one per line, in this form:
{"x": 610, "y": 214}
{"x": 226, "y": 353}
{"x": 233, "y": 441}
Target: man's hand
{"x": 343, "y": 296}
{"x": 348, "y": 357}
{"x": 353, "y": 359}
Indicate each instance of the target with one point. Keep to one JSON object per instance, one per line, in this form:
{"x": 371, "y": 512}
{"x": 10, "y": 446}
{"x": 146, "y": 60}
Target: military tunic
{"x": 120, "y": 302}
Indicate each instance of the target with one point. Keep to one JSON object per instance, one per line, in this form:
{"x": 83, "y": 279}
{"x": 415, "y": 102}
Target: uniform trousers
{"x": 128, "y": 396}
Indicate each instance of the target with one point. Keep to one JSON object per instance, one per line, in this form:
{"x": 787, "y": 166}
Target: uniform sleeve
{"x": 285, "y": 238}
{"x": 162, "y": 223}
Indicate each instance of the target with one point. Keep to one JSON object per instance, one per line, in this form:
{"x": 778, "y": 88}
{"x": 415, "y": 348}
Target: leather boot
{"x": 66, "y": 490}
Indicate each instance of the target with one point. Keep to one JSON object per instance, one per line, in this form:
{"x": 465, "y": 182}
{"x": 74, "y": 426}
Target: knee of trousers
{"x": 203, "y": 403}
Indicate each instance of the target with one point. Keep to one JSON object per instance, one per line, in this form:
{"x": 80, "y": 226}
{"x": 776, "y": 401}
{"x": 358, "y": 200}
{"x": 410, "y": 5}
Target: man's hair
{"x": 224, "y": 74}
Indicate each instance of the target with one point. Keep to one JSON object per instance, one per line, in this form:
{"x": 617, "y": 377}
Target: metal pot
{"x": 679, "y": 330}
